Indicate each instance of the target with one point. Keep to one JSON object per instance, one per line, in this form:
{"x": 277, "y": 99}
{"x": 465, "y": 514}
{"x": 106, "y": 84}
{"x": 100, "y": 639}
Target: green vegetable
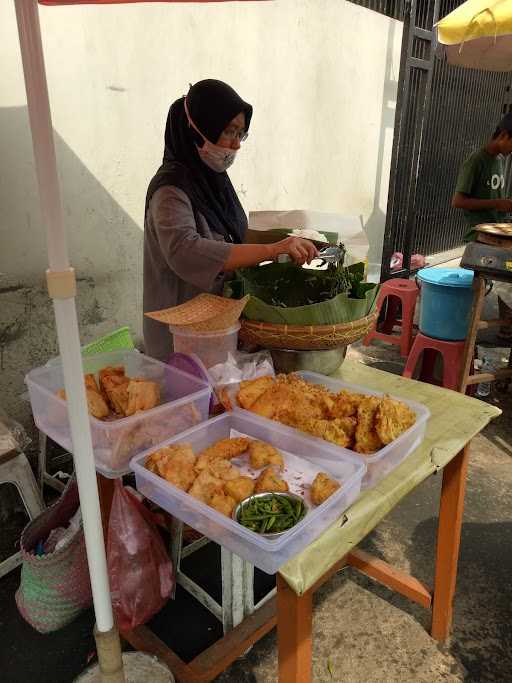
{"x": 271, "y": 514}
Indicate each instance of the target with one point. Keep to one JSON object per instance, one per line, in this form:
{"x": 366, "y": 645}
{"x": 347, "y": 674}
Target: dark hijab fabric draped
{"x": 212, "y": 105}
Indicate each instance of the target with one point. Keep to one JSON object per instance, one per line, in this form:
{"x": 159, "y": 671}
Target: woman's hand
{"x": 299, "y": 250}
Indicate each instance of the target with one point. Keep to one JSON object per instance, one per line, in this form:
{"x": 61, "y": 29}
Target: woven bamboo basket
{"x": 203, "y": 313}
{"x": 306, "y": 337}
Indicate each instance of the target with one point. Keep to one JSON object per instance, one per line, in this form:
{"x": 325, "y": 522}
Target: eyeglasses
{"x": 231, "y": 134}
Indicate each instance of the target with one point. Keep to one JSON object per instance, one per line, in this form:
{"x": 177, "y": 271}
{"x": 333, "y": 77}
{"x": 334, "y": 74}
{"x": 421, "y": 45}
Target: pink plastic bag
{"x": 140, "y": 571}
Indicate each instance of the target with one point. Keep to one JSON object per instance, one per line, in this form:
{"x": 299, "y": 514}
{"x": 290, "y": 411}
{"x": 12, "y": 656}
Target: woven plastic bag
{"x": 141, "y": 574}
{"x": 55, "y": 587}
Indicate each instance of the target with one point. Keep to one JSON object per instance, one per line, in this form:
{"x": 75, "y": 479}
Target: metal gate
{"x": 442, "y": 114}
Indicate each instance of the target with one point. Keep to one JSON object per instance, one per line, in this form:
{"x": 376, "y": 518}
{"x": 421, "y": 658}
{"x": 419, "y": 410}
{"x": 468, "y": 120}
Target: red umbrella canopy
{"x": 119, "y": 2}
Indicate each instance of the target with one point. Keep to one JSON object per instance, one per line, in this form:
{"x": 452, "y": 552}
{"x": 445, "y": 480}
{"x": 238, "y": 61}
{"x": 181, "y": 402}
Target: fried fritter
{"x": 223, "y": 469}
{"x": 118, "y": 396}
{"x": 224, "y": 449}
{"x": 142, "y": 395}
{"x": 323, "y": 487}
{"x": 392, "y": 419}
{"x": 222, "y": 503}
{"x": 158, "y": 460}
{"x": 335, "y": 431}
{"x": 90, "y": 383}
{"x": 346, "y": 404}
{"x": 262, "y": 454}
{"x": 267, "y": 404}
{"x": 251, "y": 390}
{"x": 269, "y": 481}
{"x": 240, "y": 488}
{"x": 96, "y": 404}
{"x": 110, "y": 377}
{"x": 205, "y": 487}
{"x": 367, "y": 439}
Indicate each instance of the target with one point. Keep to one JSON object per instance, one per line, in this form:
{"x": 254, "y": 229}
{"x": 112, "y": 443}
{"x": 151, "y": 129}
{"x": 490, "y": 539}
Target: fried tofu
{"x": 367, "y": 439}
{"x": 251, "y": 390}
{"x": 239, "y": 488}
{"x": 142, "y": 395}
{"x": 262, "y": 454}
{"x": 222, "y": 503}
{"x": 322, "y": 488}
{"x": 392, "y": 419}
{"x": 270, "y": 482}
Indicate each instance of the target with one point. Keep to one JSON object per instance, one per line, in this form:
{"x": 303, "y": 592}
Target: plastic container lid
{"x": 447, "y": 277}
{"x": 193, "y": 365}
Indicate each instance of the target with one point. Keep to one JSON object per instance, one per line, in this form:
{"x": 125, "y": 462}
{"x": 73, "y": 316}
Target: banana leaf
{"x": 282, "y": 293}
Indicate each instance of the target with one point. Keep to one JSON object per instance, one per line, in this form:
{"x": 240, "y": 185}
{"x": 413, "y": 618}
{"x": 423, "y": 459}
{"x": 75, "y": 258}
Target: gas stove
{"x": 495, "y": 262}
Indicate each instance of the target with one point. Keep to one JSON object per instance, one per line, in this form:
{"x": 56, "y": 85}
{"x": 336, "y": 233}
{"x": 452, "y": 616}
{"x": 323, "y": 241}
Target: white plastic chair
{"x": 15, "y": 469}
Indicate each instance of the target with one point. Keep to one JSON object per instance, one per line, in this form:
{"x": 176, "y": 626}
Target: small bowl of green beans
{"x": 270, "y": 514}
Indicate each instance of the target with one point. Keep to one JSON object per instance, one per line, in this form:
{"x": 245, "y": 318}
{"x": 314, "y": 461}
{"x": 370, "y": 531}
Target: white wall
{"x": 321, "y": 75}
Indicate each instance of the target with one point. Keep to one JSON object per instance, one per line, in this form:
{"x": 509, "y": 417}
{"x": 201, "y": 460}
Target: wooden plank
{"x": 106, "y": 494}
{"x": 389, "y": 576}
{"x": 144, "y": 640}
{"x": 497, "y": 322}
{"x": 448, "y": 543}
{"x": 294, "y": 641}
{"x": 234, "y": 644}
{"x": 469, "y": 347}
{"x": 501, "y": 373}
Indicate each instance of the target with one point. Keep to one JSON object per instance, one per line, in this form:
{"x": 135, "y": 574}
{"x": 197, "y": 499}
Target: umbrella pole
{"x": 62, "y": 290}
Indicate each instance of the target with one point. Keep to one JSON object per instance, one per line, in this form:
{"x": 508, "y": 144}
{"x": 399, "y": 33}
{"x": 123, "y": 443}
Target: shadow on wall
{"x": 376, "y": 223}
{"x": 105, "y": 247}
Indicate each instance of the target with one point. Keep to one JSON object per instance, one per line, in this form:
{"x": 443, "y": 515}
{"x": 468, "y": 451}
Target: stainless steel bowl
{"x": 323, "y": 362}
{"x": 289, "y": 496}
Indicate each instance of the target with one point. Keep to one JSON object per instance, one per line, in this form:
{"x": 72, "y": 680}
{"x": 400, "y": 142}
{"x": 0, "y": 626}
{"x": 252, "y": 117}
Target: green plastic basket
{"x": 120, "y": 339}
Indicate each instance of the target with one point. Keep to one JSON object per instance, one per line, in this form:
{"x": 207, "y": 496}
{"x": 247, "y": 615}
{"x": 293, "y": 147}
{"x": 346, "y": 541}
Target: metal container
{"x": 266, "y": 494}
{"x": 323, "y": 362}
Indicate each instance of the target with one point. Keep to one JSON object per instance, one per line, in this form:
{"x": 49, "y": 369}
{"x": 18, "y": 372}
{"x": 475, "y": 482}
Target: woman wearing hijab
{"x": 194, "y": 225}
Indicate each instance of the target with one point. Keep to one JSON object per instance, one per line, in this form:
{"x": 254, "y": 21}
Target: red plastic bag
{"x": 140, "y": 571}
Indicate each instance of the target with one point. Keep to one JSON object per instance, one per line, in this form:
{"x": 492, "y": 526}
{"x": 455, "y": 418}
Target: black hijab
{"x": 212, "y": 105}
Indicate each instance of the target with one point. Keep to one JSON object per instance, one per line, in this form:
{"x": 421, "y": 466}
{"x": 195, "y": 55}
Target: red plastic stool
{"x": 452, "y": 353}
{"x": 399, "y": 291}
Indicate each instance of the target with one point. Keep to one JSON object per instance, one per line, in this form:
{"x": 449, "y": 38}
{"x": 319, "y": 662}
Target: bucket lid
{"x": 447, "y": 277}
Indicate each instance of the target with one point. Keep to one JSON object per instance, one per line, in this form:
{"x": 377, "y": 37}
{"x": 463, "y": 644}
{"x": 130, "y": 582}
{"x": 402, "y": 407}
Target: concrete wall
{"x": 321, "y": 75}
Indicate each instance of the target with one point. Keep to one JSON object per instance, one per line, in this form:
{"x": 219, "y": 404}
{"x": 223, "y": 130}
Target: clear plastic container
{"x": 184, "y": 402}
{"x": 265, "y": 553}
{"x": 212, "y": 347}
{"x": 381, "y": 463}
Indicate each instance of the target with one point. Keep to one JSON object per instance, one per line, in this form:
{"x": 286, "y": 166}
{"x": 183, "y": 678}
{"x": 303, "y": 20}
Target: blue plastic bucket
{"x": 446, "y": 301}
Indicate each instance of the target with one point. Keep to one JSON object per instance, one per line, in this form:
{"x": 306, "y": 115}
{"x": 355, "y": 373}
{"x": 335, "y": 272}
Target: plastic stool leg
{"x": 393, "y": 306}
{"x": 412, "y": 360}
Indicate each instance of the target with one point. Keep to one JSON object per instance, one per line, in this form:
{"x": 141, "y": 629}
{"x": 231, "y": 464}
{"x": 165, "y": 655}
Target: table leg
{"x": 294, "y": 625}
{"x": 106, "y": 494}
{"x": 448, "y": 542}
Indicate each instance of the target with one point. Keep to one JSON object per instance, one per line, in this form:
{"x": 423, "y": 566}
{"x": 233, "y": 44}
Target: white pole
{"x": 62, "y": 292}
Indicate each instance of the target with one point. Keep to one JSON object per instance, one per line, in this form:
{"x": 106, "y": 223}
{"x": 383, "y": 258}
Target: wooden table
{"x": 455, "y": 420}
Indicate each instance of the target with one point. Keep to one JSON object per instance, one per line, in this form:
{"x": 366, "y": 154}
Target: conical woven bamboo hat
{"x": 204, "y": 313}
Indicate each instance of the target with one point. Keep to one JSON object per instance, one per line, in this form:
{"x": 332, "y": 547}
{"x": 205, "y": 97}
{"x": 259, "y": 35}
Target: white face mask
{"x": 218, "y": 158}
